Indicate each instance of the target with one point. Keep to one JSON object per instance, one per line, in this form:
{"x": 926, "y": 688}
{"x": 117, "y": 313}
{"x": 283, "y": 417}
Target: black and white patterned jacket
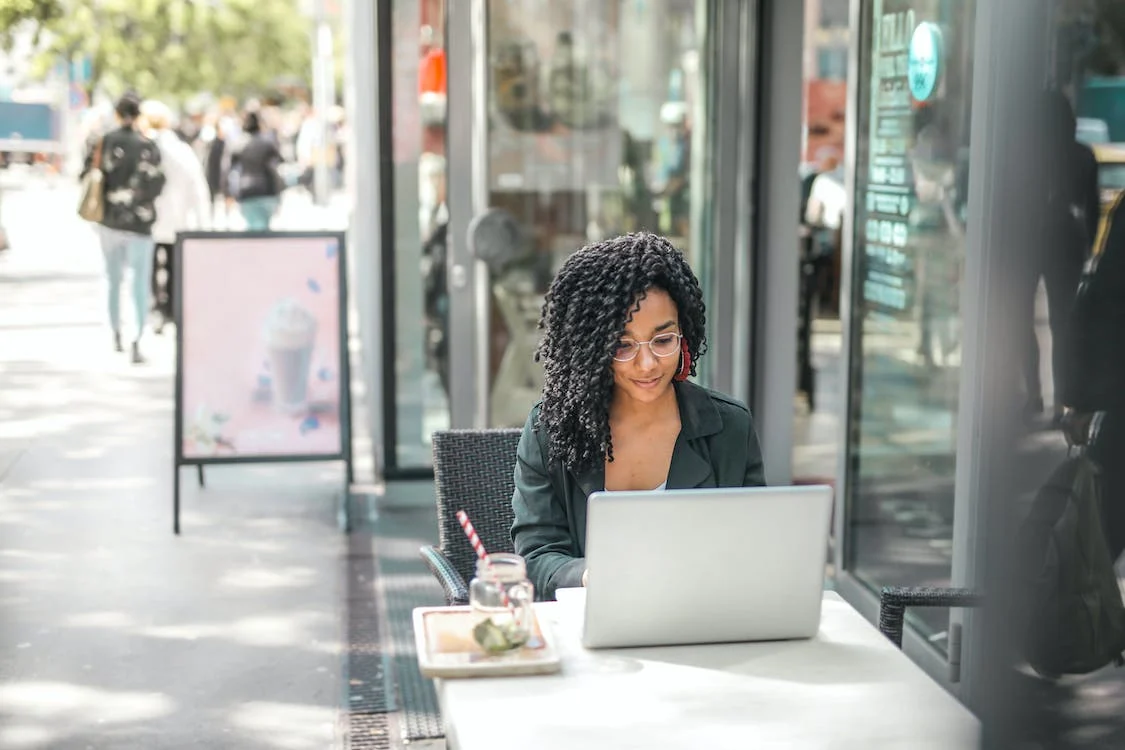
{"x": 133, "y": 179}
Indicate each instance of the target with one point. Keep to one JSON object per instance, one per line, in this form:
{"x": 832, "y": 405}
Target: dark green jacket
{"x": 717, "y": 447}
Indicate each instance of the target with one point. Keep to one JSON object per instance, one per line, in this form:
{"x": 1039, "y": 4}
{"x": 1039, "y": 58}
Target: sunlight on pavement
{"x": 260, "y": 578}
{"x": 291, "y": 630}
{"x": 31, "y": 428}
{"x": 85, "y": 454}
{"x": 262, "y": 547}
{"x": 37, "y": 556}
{"x": 286, "y": 726}
{"x": 26, "y": 576}
{"x": 13, "y": 517}
{"x": 63, "y": 703}
{"x": 94, "y": 483}
{"x": 99, "y": 620}
{"x": 17, "y": 736}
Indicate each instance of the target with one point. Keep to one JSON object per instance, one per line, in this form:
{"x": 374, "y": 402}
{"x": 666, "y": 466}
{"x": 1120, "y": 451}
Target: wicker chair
{"x": 473, "y": 472}
{"x": 895, "y": 599}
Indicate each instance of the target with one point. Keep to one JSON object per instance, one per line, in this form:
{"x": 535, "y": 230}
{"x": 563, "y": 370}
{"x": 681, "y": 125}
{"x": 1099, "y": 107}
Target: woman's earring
{"x": 685, "y": 361}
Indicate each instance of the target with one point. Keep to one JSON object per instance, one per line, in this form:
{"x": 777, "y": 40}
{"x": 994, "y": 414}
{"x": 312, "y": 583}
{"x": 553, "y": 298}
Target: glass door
{"x": 911, "y": 211}
{"x": 570, "y": 121}
{"x": 414, "y": 224}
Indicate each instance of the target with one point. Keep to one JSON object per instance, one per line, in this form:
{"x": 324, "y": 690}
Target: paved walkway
{"x": 114, "y": 633}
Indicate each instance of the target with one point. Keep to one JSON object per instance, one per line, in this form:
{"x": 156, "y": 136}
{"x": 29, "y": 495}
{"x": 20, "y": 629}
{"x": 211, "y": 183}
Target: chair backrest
{"x": 473, "y": 472}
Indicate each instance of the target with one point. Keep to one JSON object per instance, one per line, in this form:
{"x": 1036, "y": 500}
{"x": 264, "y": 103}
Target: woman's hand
{"x": 585, "y": 577}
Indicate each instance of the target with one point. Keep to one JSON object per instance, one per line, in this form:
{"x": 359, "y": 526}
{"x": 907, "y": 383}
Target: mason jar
{"x": 501, "y": 597}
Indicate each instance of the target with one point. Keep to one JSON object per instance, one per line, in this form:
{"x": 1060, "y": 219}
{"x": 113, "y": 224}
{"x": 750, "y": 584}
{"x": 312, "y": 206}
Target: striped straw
{"x": 474, "y": 540}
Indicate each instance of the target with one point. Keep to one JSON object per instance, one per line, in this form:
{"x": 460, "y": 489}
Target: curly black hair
{"x": 587, "y": 307}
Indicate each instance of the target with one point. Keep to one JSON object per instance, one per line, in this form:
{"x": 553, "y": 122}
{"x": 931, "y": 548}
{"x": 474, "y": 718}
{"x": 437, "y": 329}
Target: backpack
{"x": 1075, "y": 616}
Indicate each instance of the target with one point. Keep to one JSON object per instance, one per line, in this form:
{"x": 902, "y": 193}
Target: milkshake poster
{"x": 261, "y": 347}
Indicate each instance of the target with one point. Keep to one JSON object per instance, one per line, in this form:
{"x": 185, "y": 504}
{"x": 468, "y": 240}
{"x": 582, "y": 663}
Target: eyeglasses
{"x": 663, "y": 345}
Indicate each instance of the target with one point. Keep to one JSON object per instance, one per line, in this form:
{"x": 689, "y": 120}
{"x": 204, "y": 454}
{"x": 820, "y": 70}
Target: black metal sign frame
{"x": 345, "y": 452}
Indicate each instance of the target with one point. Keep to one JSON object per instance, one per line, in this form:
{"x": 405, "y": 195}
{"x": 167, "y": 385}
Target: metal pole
{"x": 324, "y": 97}
{"x": 176, "y": 501}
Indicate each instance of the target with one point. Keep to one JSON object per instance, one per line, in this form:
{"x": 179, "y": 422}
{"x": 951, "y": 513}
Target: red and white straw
{"x": 474, "y": 540}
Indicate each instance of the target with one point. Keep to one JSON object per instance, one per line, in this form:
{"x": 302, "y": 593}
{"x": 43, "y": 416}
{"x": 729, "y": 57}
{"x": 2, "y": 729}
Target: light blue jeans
{"x": 127, "y": 249}
{"x": 259, "y": 211}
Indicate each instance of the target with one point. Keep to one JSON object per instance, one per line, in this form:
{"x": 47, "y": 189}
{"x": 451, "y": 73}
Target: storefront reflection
{"x": 596, "y": 117}
{"x": 421, "y": 364}
{"x": 818, "y": 415}
{"x": 912, "y": 175}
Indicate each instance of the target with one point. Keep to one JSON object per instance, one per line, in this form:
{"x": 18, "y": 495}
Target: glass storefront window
{"x": 820, "y": 364}
{"x": 911, "y": 183}
{"x": 418, "y": 122}
{"x": 596, "y": 128}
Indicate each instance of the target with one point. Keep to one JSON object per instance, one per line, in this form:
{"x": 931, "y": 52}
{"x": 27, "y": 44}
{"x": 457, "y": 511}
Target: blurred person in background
{"x": 215, "y": 161}
{"x": 823, "y": 199}
{"x": 291, "y": 122}
{"x": 434, "y": 221}
{"x": 255, "y": 178}
{"x": 318, "y": 145}
{"x": 189, "y": 126}
{"x": 823, "y": 215}
{"x": 307, "y": 148}
{"x": 673, "y": 168}
{"x": 183, "y": 204}
{"x": 272, "y": 121}
{"x": 338, "y": 118}
{"x": 1069, "y": 225}
{"x": 269, "y": 119}
{"x": 938, "y": 232}
{"x": 223, "y": 135}
{"x": 133, "y": 179}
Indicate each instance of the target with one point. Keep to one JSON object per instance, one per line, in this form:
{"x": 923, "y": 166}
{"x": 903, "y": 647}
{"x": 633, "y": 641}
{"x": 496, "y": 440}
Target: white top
{"x": 663, "y": 486}
{"x": 848, "y": 687}
{"x": 185, "y": 201}
{"x": 827, "y": 200}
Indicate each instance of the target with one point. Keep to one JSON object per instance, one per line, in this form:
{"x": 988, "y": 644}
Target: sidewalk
{"x": 114, "y": 633}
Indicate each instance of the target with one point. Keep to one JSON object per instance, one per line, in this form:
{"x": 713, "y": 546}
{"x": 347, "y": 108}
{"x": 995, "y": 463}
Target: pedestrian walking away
{"x": 133, "y": 179}
{"x": 183, "y": 204}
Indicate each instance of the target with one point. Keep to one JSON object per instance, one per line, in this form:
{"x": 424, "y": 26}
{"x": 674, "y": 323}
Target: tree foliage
{"x": 171, "y": 48}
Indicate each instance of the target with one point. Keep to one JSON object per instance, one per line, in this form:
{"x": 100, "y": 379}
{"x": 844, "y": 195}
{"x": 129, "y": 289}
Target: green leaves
{"x": 172, "y": 48}
{"x": 16, "y": 13}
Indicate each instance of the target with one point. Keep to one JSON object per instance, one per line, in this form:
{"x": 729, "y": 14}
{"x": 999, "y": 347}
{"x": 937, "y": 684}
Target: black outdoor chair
{"x": 895, "y": 599}
{"x": 472, "y": 472}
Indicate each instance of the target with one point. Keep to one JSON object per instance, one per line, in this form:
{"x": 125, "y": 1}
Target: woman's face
{"x": 647, "y": 377}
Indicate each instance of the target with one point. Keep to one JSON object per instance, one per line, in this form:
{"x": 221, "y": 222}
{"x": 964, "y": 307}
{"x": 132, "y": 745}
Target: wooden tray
{"x": 446, "y": 648}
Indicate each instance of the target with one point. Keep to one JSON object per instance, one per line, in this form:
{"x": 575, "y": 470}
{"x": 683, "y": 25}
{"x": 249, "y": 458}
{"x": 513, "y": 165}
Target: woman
{"x": 132, "y": 180}
{"x": 184, "y": 203}
{"x": 623, "y": 328}
{"x": 255, "y": 178}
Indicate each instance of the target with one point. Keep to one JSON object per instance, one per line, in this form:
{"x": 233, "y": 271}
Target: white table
{"x": 848, "y": 687}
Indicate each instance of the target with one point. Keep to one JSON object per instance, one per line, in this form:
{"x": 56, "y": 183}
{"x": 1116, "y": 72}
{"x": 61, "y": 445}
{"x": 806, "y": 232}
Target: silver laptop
{"x": 680, "y": 567}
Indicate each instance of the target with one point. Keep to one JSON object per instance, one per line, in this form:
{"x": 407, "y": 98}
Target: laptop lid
{"x": 705, "y": 565}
